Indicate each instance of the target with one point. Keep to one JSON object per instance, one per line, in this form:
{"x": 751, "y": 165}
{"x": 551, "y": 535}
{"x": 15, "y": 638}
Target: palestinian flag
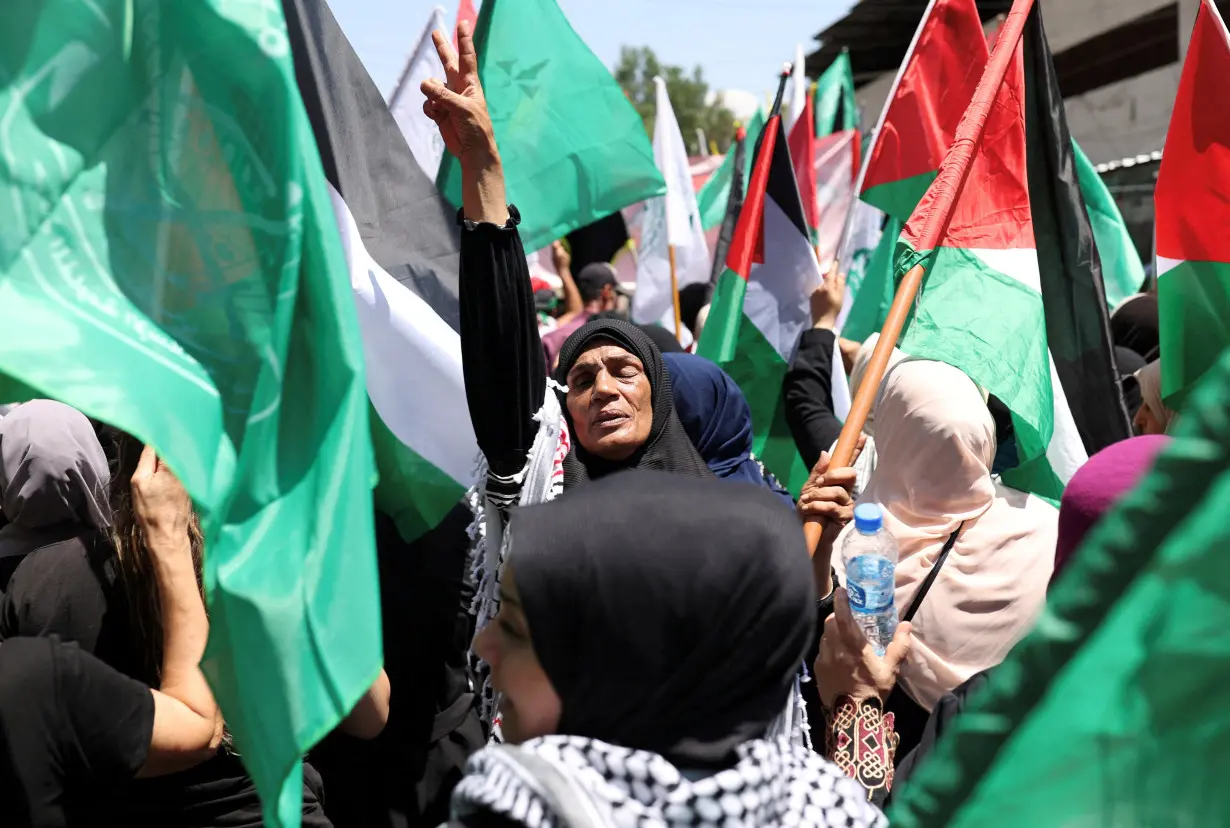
{"x": 760, "y": 305}
{"x": 1013, "y": 294}
{"x": 1193, "y": 213}
{"x": 1111, "y": 712}
{"x": 401, "y": 244}
{"x": 926, "y": 102}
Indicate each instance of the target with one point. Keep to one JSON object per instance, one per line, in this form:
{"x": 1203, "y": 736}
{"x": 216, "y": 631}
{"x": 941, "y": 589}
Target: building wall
{"x": 1122, "y": 119}
{"x": 1126, "y": 118}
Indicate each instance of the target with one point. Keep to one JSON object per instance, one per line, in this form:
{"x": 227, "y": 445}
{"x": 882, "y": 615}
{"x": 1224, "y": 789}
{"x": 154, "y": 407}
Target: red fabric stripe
{"x": 1193, "y": 211}
{"x": 465, "y": 11}
{"x": 749, "y": 232}
{"x": 994, "y": 212}
{"x": 802, "y": 144}
{"x": 934, "y": 90}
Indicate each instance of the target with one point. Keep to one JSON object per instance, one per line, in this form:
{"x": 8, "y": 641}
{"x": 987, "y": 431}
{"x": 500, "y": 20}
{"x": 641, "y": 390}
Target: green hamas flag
{"x": 836, "y": 107}
{"x": 1111, "y": 712}
{"x": 574, "y": 148}
{"x": 1122, "y": 271}
{"x": 170, "y": 263}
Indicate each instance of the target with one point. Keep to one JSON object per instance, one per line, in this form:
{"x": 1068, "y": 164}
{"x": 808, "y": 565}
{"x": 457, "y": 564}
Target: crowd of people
{"x": 634, "y": 632}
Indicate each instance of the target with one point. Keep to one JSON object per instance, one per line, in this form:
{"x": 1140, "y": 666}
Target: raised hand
{"x": 458, "y": 106}
{"x": 162, "y": 506}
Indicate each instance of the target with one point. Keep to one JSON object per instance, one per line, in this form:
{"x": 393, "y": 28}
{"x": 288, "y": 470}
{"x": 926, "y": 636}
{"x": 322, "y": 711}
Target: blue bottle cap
{"x": 868, "y": 517}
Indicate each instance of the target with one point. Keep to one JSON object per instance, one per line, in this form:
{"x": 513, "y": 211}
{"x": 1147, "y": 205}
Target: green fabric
{"x": 836, "y": 107}
{"x": 899, "y": 198}
{"x": 574, "y": 148}
{"x": 1122, "y": 271}
{"x": 872, "y": 284}
{"x": 714, "y": 195}
{"x": 720, "y": 336}
{"x": 1112, "y": 711}
{"x": 412, "y": 491}
{"x": 170, "y": 264}
{"x": 1193, "y": 301}
{"x": 993, "y": 328}
{"x": 735, "y": 343}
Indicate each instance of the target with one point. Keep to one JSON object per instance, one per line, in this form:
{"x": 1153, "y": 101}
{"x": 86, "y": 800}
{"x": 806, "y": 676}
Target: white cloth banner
{"x": 670, "y": 220}
{"x": 406, "y": 102}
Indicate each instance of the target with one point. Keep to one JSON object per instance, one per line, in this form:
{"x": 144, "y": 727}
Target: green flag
{"x": 169, "y": 263}
{"x": 574, "y": 149}
{"x": 1122, "y": 271}
{"x": 713, "y": 197}
{"x": 873, "y": 287}
{"x": 1111, "y": 712}
{"x": 836, "y": 108}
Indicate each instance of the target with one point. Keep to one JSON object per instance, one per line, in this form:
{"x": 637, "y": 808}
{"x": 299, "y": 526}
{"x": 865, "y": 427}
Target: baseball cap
{"x": 594, "y": 277}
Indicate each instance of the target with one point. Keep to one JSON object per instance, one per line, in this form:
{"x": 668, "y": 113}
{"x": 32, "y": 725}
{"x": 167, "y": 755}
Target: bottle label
{"x": 870, "y": 584}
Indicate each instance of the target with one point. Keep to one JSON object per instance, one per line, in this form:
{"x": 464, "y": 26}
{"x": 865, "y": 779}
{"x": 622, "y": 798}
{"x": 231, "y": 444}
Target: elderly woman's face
{"x": 610, "y": 401}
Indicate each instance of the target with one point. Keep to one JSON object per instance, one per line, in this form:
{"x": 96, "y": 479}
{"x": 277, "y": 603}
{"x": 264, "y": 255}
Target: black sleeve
{"x": 67, "y": 720}
{"x": 808, "y": 394}
{"x": 111, "y": 715}
{"x": 501, "y": 351}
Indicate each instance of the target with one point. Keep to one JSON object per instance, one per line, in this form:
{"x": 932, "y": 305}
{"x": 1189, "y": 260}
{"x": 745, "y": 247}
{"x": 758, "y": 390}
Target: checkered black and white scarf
{"x": 574, "y": 782}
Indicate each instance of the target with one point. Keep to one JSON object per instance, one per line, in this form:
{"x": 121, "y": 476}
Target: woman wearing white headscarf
{"x": 936, "y": 443}
{"x": 1153, "y": 417}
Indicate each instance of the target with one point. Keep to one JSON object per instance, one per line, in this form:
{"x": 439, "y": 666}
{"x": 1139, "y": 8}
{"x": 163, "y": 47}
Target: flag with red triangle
{"x": 1013, "y": 294}
{"x": 1193, "y": 213}
{"x": 928, "y": 98}
{"x": 760, "y": 305}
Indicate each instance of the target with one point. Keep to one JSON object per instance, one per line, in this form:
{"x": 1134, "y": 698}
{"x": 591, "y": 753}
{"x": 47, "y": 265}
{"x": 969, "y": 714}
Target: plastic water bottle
{"x": 870, "y": 557}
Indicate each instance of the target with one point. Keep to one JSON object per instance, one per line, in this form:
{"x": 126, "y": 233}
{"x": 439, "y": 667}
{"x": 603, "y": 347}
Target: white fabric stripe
{"x": 1021, "y": 263}
{"x": 1165, "y": 265}
{"x": 778, "y": 290}
{"x": 413, "y": 361}
{"x": 1065, "y": 453}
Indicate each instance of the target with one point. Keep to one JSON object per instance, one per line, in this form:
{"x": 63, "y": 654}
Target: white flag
{"x": 406, "y": 102}
{"x": 670, "y": 220}
{"x": 798, "y": 89}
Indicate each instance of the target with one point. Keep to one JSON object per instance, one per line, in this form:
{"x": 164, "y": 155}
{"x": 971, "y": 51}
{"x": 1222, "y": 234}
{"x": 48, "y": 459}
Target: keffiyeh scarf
{"x": 541, "y": 480}
{"x": 574, "y": 782}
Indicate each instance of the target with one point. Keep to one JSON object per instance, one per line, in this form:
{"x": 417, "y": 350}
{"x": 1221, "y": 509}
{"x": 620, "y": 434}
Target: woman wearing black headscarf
{"x": 622, "y": 415}
{"x": 645, "y": 650}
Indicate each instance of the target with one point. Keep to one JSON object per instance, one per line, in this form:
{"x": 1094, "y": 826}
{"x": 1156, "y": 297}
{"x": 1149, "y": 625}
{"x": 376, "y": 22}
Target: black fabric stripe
{"x": 734, "y": 206}
{"x": 1077, "y": 324}
{"x": 406, "y": 225}
{"x": 782, "y": 188}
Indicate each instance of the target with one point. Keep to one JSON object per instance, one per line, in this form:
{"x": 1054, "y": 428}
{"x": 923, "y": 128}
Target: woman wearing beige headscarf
{"x": 936, "y": 442}
{"x": 1153, "y": 417}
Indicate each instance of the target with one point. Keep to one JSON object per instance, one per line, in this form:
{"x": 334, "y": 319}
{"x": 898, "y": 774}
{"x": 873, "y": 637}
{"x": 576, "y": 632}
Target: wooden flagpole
{"x": 675, "y": 295}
